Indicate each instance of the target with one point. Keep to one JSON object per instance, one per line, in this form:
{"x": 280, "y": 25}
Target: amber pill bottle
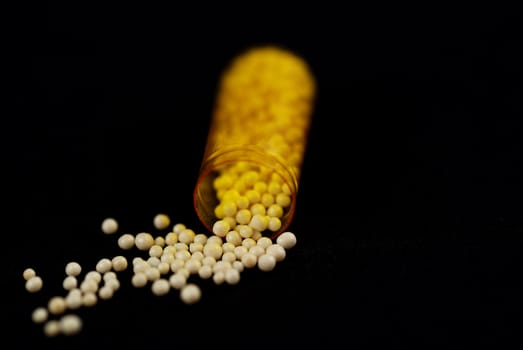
{"x": 256, "y": 142}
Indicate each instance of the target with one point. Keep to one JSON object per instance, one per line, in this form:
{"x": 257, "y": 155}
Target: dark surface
{"x": 410, "y": 212}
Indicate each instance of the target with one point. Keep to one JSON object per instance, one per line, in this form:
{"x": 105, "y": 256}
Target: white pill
{"x": 160, "y": 287}
{"x": 73, "y": 268}
{"x": 28, "y": 273}
{"x": 57, "y": 305}
{"x": 232, "y": 276}
{"x": 287, "y": 240}
{"x": 161, "y": 221}
{"x": 190, "y": 293}
{"x": 52, "y": 328}
{"x": 126, "y": 241}
{"x": 70, "y": 324}
{"x": 34, "y": 284}
{"x": 119, "y": 263}
{"x": 70, "y": 282}
{"x": 177, "y": 280}
{"x": 109, "y": 226}
{"x": 139, "y": 280}
{"x": 104, "y": 265}
{"x": 266, "y": 262}
{"x": 89, "y": 299}
{"x": 39, "y": 315}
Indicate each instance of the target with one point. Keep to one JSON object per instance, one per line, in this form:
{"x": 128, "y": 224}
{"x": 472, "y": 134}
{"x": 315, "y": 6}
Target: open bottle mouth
{"x": 253, "y": 160}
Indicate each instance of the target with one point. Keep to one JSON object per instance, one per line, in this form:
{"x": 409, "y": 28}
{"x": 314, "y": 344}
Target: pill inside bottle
{"x": 249, "y": 175}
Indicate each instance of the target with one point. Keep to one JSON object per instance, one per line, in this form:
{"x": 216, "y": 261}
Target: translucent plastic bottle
{"x": 250, "y": 171}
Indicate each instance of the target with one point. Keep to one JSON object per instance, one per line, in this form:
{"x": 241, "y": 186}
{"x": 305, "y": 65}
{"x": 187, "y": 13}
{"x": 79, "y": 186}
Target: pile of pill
{"x": 165, "y": 264}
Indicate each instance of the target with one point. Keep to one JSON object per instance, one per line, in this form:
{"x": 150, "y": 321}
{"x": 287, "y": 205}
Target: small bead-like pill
{"x": 197, "y": 256}
{"x": 220, "y": 228}
{"x": 161, "y": 221}
{"x": 40, "y": 315}
{"x": 229, "y": 257}
{"x": 177, "y": 280}
{"x": 164, "y": 267}
{"x": 70, "y": 324}
{"x": 257, "y": 250}
{"x": 171, "y": 238}
{"x": 195, "y": 247}
{"x": 73, "y": 299}
{"x": 264, "y": 242}
{"x": 34, "y": 284}
{"x": 179, "y": 227}
{"x": 248, "y": 243}
{"x": 249, "y": 260}
{"x": 218, "y": 277}
{"x": 89, "y": 285}
{"x": 243, "y": 216}
{"x": 214, "y": 240}
{"x": 126, "y": 241}
{"x": 106, "y": 292}
{"x": 221, "y": 266}
{"x": 153, "y": 261}
{"x": 89, "y": 299}
{"x": 177, "y": 264}
{"x": 143, "y": 241}
{"x": 232, "y": 276}
{"x": 70, "y": 282}
{"x": 183, "y": 255}
{"x": 57, "y": 305}
{"x": 266, "y": 262}
{"x": 109, "y": 226}
{"x": 159, "y": 241}
{"x": 73, "y": 268}
{"x": 52, "y": 328}
{"x": 245, "y": 231}
{"x": 228, "y": 247}
{"x": 109, "y": 275}
{"x": 160, "y": 287}
{"x": 186, "y": 236}
{"x": 193, "y": 265}
{"x": 205, "y": 271}
{"x": 181, "y": 246}
{"x": 119, "y": 263}
{"x": 139, "y": 280}
{"x": 140, "y": 266}
{"x": 274, "y": 224}
{"x": 200, "y": 238}
{"x": 239, "y": 251}
{"x": 213, "y": 249}
{"x": 238, "y": 265}
{"x": 208, "y": 260}
{"x": 93, "y": 275}
{"x": 113, "y": 283}
{"x": 28, "y": 273}
{"x": 275, "y": 210}
{"x": 259, "y": 222}
{"x": 152, "y": 273}
{"x": 277, "y": 251}
{"x": 233, "y": 237}
{"x": 156, "y": 251}
{"x": 190, "y": 293}
{"x": 184, "y": 271}
{"x": 286, "y": 239}
{"x": 104, "y": 265}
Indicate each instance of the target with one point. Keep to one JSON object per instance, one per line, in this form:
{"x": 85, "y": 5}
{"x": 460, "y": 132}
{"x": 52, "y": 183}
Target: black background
{"x": 410, "y": 211}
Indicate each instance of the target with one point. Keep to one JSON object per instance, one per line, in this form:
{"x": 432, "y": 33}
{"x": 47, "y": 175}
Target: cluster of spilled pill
{"x": 166, "y": 264}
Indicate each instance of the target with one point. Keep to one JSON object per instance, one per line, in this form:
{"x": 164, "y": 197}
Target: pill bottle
{"x": 256, "y": 142}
